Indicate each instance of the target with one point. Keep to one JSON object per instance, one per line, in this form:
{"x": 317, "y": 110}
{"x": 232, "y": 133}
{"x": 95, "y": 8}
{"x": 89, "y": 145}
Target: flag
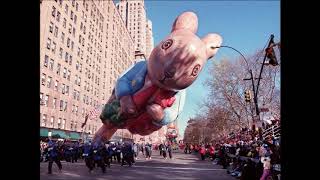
{"x": 93, "y": 114}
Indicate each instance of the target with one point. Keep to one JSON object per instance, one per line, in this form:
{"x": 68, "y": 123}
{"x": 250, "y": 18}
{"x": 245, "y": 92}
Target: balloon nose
{"x": 170, "y": 72}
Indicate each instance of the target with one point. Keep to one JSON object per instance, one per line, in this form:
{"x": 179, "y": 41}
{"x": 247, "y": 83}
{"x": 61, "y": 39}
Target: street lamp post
{"x": 255, "y": 89}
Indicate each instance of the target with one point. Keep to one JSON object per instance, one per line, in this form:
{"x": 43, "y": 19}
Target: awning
{"x": 74, "y": 135}
{"x": 44, "y": 132}
{"x": 59, "y": 134}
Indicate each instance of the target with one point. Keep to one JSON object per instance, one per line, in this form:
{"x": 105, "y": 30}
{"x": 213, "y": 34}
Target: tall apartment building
{"x": 133, "y": 14}
{"x": 149, "y": 39}
{"x": 84, "y": 47}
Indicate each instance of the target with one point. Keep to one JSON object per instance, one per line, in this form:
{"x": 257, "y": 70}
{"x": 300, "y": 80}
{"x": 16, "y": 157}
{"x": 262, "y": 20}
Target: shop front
{"x": 56, "y": 134}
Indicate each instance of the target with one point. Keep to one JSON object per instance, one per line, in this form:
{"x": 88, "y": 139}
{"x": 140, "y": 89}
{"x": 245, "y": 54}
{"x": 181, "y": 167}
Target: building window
{"x": 74, "y": 94}
{"x": 78, "y": 53}
{"x": 72, "y": 44}
{"x": 51, "y": 63}
{"x": 64, "y": 24}
{"x": 77, "y": 6}
{"x": 52, "y": 121}
{"x": 55, "y": 31}
{"x": 54, "y": 103}
{"x": 62, "y": 37}
{"x": 58, "y": 16}
{"x": 61, "y": 105}
{"x": 67, "y": 90}
{"x": 69, "y": 74}
{"x": 46, "y": 99}
{"x": 43, "y": 79}
{"x": 59, "y": 123}
{"x": 70, "y": 28}
{"x": 77, "y": 65}
{"x": 48, "y": 43}
{"x": 76, "y": 109}
{"x": 71, "y": 125}
{"x": 63, "y": 124}
{"x": 56, "y": 85}
{"x": 44, "y": 120}
{"x": 63, "y": 88}
{"x": 68, "y": 42}
{"x": 53, "y": 11}
{"x": 51, "y": 27}
{"x": 74, "y": 32}
{"x": 53, "y": 47}
{"x": 46, "y": 60}
{"x": 49, "y": 82}
{"x": 75, "y": 19}
{"x": 80, "y": 67}
{"x": 41, "y": 98}
{"x": 65, "y": 108}
{"x": 75, "y": 126}
{"x": 66, "y": 57}
{"x": 64, "y": 72}
{"x": 58, "y": 68}
{"x": 71, "y": 15}
{"x": 66, "y": 9}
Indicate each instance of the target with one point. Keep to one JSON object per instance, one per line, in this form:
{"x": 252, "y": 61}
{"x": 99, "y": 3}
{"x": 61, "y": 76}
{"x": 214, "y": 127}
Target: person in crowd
{"x": 142, "y": 148}
{"x": 107, "y": 156}
{"x": 111, "y": 150}
{"x": 127, "y": 152}
{"x": 135, "y": 150}
{"x": 164, "y": 151}
{"x": 248, "y": 172}
{"x": 74, "y": 152}
{"x": 53, "y": 156}
{"x": 169, "y": 149}
{"x": 98, "y": 155}
{"x": 202, "y": 152}
{"x": 118, "y": 152}
{"x": 67, "y": 153}
{"x": 88, "y": 155}
{"x": 266, "y": 168}
{"x": 161, "y": 149}
{"x": 148, "y": 151}
{"x": 211, "y": 152}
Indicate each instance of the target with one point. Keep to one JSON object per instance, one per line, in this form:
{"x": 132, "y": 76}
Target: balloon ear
{"x": 187, "y": 20}
{"x": 212, "y": 41}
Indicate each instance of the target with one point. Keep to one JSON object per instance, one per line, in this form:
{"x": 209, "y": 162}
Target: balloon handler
{"x": 152, "y": 92}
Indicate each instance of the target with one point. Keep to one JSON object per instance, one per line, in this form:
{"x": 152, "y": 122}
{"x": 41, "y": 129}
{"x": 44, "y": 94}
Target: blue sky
{"x": 244, "y": 25}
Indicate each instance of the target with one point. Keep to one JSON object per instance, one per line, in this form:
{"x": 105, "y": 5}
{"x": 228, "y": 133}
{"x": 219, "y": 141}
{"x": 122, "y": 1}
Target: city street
{"x": 182, "y": 167}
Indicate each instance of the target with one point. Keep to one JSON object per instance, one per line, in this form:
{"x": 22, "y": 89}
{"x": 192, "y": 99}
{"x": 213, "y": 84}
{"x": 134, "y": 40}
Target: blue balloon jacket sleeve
{"x": 132, "y": 80}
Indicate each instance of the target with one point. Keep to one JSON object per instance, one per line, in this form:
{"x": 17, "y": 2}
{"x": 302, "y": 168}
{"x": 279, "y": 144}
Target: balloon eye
{"x": 196, "y": 70}
{"x": 167, "y": 44}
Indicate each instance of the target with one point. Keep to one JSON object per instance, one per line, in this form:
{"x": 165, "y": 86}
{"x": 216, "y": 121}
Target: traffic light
{"x": 247, "y": 96}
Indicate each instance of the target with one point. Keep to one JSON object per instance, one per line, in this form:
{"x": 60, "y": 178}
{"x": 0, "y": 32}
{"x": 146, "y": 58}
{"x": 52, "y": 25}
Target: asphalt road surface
{"x": 181, "y": 167}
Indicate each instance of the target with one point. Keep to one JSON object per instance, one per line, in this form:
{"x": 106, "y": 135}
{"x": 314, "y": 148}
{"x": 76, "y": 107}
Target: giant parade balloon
{"x": 151, "y": 93}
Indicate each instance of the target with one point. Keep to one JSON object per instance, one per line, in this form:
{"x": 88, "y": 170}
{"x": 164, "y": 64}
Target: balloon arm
{"x": 104, "y": 133}
{"x": 132, "y": 80}
{"x": 172, "y": 113}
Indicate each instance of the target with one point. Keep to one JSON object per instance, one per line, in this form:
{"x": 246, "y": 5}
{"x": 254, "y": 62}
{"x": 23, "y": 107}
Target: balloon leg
{"x": 104, "y": 133}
